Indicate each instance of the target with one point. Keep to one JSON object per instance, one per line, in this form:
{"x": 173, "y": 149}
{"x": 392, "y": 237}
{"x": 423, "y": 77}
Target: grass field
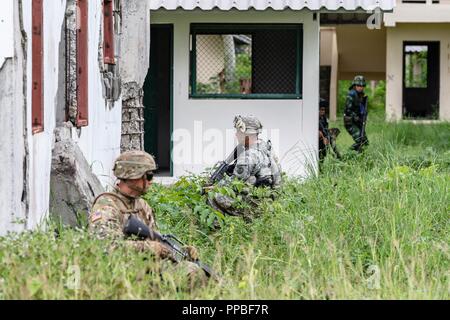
{"x": 375, "y": 226}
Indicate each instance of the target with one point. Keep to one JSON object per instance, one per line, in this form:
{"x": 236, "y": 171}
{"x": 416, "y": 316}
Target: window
{"x": 252, "y": 61}
{"x": 82, "y": 64}
{"x": 37, "y": 113}
{"x": 108, "y": 32}
{"x": 416, "y": 66}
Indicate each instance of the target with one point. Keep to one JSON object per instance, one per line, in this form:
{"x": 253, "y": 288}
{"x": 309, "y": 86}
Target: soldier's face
{"x": 147, "y": 180}
{"x": 322, "y": 112}
{"x": 359, "y": 88}
{"x": 141, "y": 184}
{"x": 240, "y": 137}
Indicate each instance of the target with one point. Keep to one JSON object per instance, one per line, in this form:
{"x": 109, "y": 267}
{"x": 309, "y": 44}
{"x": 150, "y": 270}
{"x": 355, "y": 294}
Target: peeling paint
{"x": 135, "y": 42}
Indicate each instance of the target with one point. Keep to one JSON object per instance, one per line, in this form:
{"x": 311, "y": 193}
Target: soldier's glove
{"x": 192, "y": 252}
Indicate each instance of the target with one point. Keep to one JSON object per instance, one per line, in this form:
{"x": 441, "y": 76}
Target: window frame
{"x": 37, "y": 100}
{"x": 230, "y": 28}
{"x": 108, "y": 33}
{"x": 82, "y": 119}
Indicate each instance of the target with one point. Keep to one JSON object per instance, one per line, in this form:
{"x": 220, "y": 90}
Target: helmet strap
{"x": 139, "y": 190}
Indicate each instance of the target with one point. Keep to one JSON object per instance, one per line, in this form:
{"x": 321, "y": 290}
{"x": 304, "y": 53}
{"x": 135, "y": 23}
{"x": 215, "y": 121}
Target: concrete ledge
{"x": 166, "y": 181}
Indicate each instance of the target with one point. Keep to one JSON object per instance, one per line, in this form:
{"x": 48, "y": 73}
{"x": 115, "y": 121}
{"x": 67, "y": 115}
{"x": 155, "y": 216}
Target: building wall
{"x": 419, "y": 13}
{"x": 361, "y": 51}
{"x": 394, "y": 87}
{"x": 329, "y": 56}
{"x": 326, "y": 45}
{"x": 13, "y": 195}
{"x": 6, "y": 30}
{"x": 293, "y": 123}
{"x": 29, "y": 165}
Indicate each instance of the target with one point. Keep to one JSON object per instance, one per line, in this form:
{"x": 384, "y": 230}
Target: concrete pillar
{"x": 334, "y": 77}
{"x": 135, "y": 52}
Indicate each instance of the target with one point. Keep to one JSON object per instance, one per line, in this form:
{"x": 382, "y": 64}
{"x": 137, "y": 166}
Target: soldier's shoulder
{"x": 143, "y": 204}
{"x": 106, "y": 199}
{"x": 104, "y": 208}
{"x": 352, "y": 93}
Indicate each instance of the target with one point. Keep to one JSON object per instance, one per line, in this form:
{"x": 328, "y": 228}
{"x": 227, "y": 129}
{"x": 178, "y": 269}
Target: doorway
{"x": 158, "y": 93}
{"x": 421, "y": 72}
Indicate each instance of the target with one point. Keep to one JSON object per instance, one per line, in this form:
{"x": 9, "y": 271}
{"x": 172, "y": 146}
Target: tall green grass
{"x": 375, "y": 226}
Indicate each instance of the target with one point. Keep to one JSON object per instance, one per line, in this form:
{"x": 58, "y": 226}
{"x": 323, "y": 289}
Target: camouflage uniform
{"x": 323, "y": 127}
{"x": 111, "y": 211}
{"x": 257, "y": 165}
{"x": 352, "y": 116}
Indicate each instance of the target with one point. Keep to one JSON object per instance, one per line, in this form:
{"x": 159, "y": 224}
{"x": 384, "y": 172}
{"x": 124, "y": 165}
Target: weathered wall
{"x": 100, "y": 141}
{"x": 6, "y": 30}
{"x": 394, "y": 87}
{"x": 293, "y": 122}
{"x": 26, "y": 181}
{"x": 135, "y": 51}
{"x": 14, "y": 194}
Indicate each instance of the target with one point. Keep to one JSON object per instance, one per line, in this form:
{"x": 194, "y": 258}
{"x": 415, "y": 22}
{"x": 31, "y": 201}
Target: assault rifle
{"x": 364, "y": 112}
{"x": 331, "y": 138}
{"x": 134, "y": 227}
{"x": 225, "y": 166}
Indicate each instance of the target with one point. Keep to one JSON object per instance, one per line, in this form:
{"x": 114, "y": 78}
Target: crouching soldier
{"x": 327, "y": 136}
{"x": 112, "y": 211}
{"x": 255, "y": 164}
{"x": 356, "y": 113}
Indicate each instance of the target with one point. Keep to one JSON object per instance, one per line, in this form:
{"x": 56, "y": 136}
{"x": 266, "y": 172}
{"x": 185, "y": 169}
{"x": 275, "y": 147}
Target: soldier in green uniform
{"x": 355, "y": 113}
{"x": 111, "y": 210}
{"x": 323, "y": 130}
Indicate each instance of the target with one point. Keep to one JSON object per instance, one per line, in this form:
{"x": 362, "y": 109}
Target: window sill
{"x": 247, "y": 96}
{"x": 37, "y": 129}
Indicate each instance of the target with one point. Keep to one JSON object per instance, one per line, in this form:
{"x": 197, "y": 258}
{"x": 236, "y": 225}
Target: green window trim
{"x": 224, "y": 28}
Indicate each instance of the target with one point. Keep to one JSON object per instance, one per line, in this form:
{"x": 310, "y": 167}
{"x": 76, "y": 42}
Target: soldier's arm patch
{"x": 96, "y": 216}
{"x": 101, "y": 213}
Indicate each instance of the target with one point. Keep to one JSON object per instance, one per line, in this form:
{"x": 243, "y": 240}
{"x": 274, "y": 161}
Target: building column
{"x": 135, "y": 49}
{"x": 334, "y": 77}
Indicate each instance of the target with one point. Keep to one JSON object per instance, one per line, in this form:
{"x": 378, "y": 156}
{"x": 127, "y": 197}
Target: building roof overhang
{"x": 278, "y": 5}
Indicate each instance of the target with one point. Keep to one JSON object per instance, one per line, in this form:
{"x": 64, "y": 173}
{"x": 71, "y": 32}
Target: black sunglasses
{"x": 149, "y": 176}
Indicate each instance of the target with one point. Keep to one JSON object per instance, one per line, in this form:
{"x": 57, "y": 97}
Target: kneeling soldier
{"x": 255, "y": 164}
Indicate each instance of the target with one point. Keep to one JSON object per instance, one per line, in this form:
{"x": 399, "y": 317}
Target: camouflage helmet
{"x": 133, "y": 165}
{"x": 248, "y": 124}
{"x": 359, "y": 81}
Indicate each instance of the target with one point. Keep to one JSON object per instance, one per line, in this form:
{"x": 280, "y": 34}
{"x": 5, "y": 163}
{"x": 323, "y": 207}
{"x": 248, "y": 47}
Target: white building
{"x": 281, "y": 86}
{"x": 82, "y": 63}
{"x": 410, "y": 51}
